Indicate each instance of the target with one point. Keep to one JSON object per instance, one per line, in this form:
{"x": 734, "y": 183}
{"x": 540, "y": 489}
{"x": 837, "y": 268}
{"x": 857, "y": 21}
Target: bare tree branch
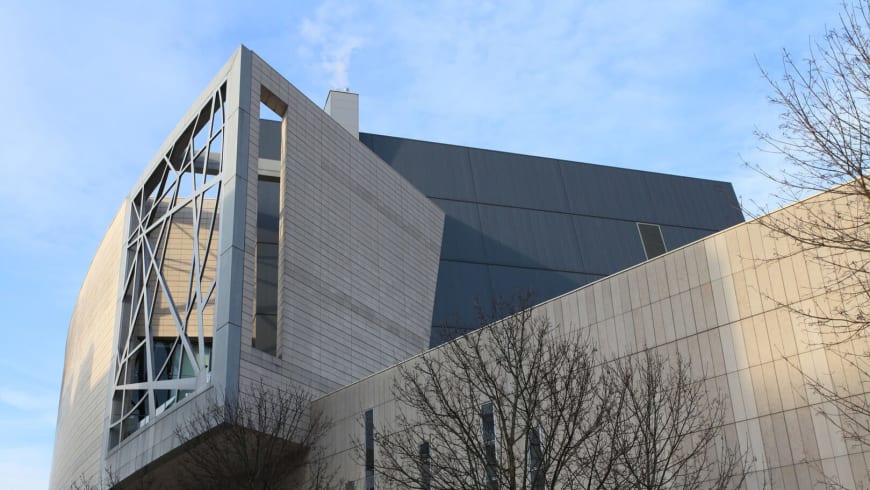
{"x": 525, "y": 404}
{"x": 825, "y": 137}
{"x": 671, "y": 435}
{"x": 268, "y": 438}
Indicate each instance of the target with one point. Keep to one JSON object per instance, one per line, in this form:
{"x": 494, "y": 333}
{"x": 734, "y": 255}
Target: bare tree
{"x": 85, "y": 483}
{"x": 523, "y": 404}
{"x": 668, "y": 430}
{"x": 268, "y": 438}
{"x": 825, "y": 137}
{"x": 110, "y": 480}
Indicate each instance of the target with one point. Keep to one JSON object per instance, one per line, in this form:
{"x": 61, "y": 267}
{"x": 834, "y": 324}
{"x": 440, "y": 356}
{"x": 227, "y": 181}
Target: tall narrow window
{"x": 425, "y": 467}
{"x": 537, "y": 479}
{"x": 266, "y": 309}
{"x": 487, "y": 419}
{"x": 651, "y": 237}
{"x": 265, "y": 332}
{"x": 370, "y": 450}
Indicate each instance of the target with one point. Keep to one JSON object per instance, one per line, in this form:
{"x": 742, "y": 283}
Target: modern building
{"x": 301, "y": 252}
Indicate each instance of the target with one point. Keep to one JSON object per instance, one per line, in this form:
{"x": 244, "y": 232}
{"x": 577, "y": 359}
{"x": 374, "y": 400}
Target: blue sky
{"x": 89, "y": 91}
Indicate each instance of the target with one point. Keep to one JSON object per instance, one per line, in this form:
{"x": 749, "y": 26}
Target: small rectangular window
{"x": 349, "y": 486}
{"x": 370, "y": 450}
{"x": 425, "y": 467}
{"x": 487, "y": 419}
{"x": 651, "y": 237}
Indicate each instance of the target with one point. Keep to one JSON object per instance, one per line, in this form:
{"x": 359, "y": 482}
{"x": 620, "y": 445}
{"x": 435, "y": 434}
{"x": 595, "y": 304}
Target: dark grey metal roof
{"x": 518, "y": 222}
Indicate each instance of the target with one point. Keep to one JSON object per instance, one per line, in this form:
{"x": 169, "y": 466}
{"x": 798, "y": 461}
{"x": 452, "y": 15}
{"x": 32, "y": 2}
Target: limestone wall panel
{"x": 85, "y": 384}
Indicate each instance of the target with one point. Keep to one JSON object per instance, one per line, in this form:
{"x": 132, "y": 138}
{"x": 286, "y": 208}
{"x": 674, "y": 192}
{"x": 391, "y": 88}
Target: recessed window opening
{"x": 265, "y": 337}
{"x": 425, "y": 467}
{"x": 265, "y": 325}
{"x": 651, "y": 237}
{"x": 487, "y": 420}
{"x": 537, "y": 479}
{"x": 370, "y": 449}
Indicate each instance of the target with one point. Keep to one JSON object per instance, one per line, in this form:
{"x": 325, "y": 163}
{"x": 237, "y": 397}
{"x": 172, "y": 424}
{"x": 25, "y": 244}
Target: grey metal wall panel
{"x": 526, "y": 238}
{"x": 437, "y": 170}
{"x": 676, "y": 237}
{"x": 681, "y": 201}
{"x": 650, "y": 197}
{"x": 517, "y": 180}
{"x": 463, "y": 286}
{"x": 459, "y": 286}
{"x": 594, "y": 190}
{"x": 463, "y": 236}
{"x": 608, "y": 245}
{"x": 541, "y": 283}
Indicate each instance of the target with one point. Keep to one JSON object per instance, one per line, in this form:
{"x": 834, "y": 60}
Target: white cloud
{"x": 328, "y": 33}
{"x": 550, "y": 77}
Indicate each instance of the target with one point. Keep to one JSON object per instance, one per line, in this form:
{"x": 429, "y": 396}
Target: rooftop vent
{"x": 344, "y": 108}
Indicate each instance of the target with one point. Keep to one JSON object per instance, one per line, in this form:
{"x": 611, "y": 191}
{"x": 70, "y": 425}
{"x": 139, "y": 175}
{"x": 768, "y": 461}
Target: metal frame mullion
{"x": 214, "y": 214}
{"x": 163, "y": 384}
{"x": 197, "y": 210}
{"x": 149, "y": 347}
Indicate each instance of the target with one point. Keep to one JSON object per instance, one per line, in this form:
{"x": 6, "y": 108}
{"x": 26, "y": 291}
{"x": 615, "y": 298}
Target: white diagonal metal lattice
{"x": 168, "y": 307}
